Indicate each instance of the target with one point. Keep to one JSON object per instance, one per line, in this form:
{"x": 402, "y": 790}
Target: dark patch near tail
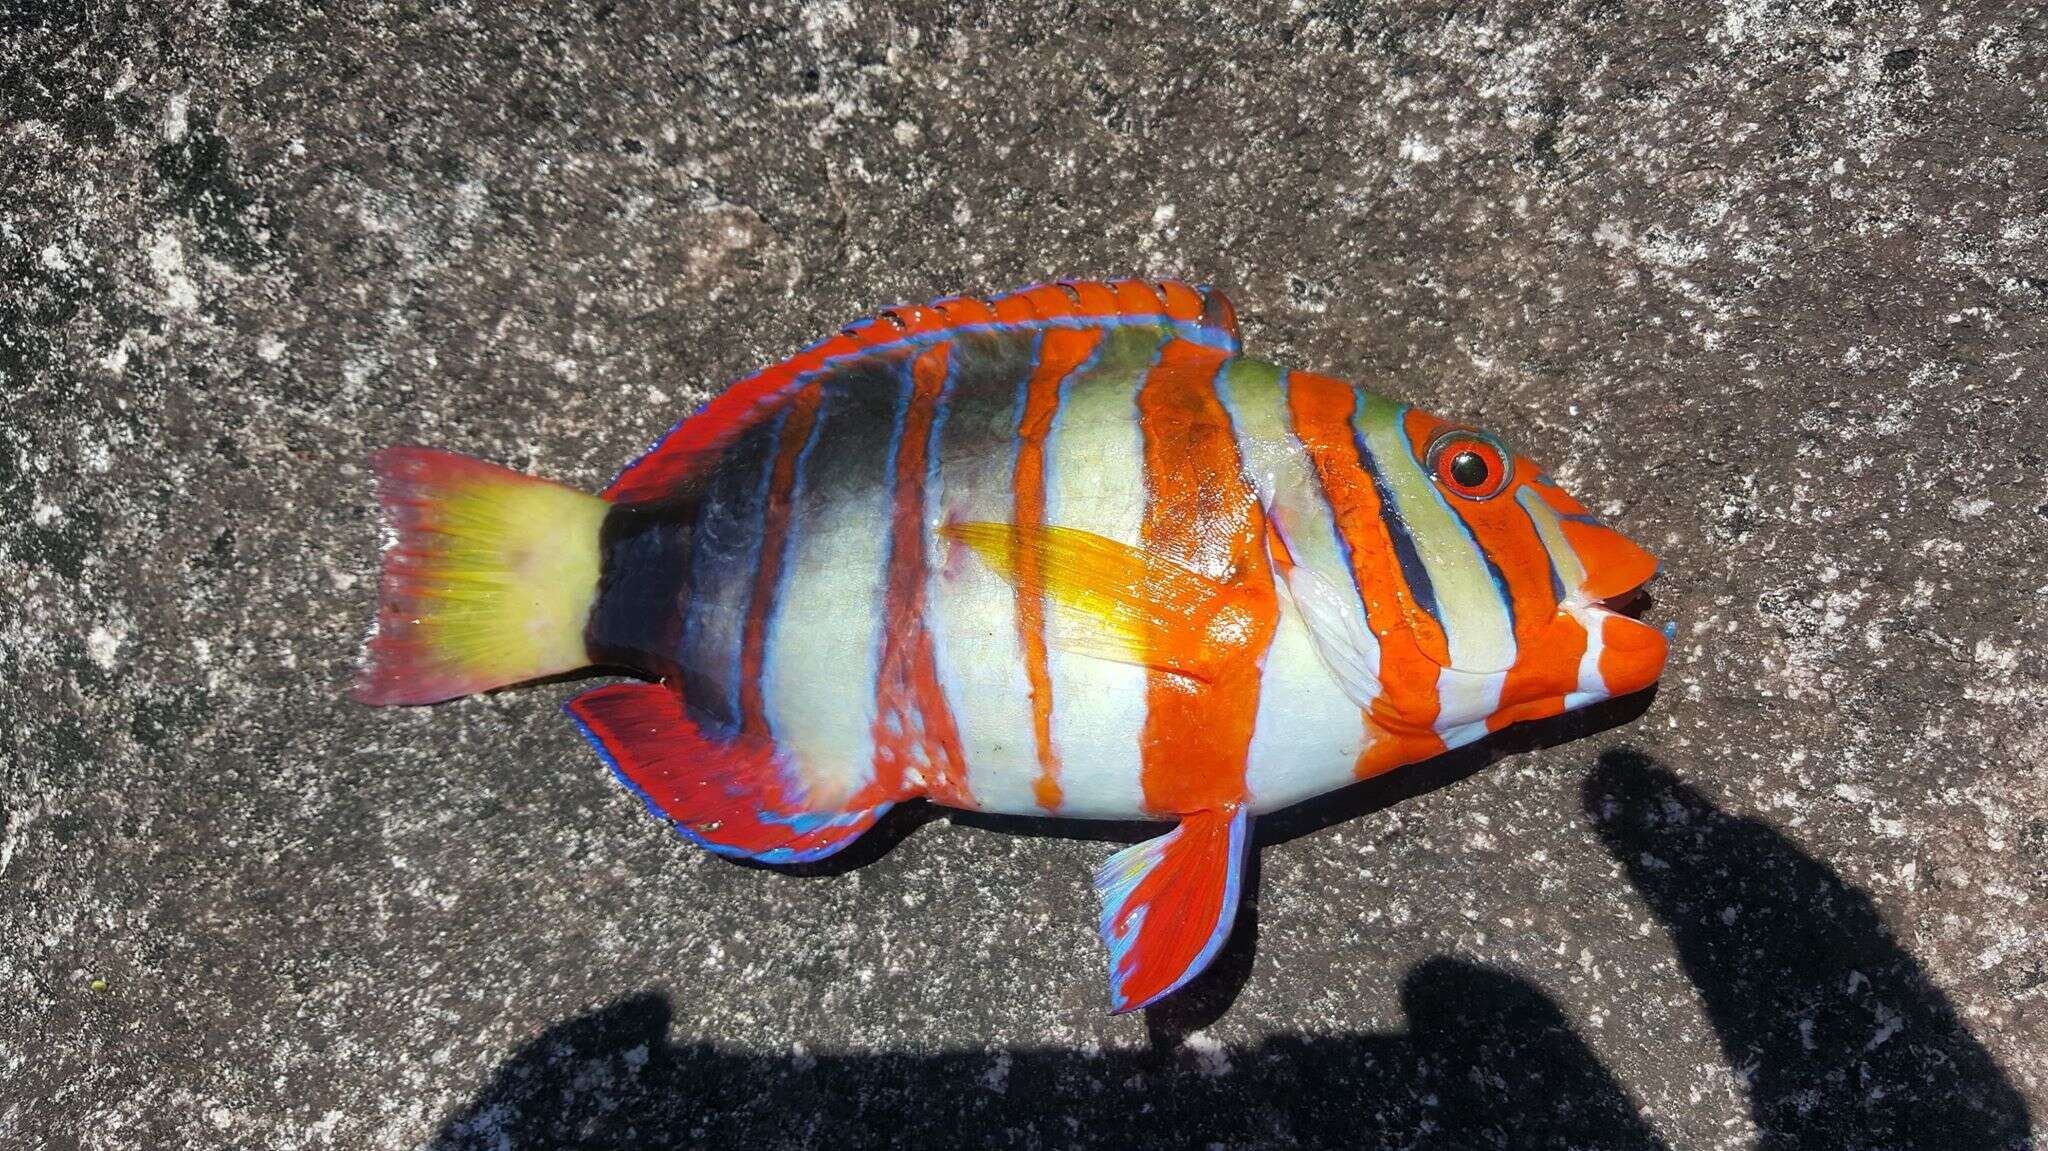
{"x": 637, "y": 621}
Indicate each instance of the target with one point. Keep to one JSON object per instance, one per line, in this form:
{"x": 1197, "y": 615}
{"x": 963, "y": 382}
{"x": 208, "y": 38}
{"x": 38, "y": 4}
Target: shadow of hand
{"x": 1843, "y": 1040}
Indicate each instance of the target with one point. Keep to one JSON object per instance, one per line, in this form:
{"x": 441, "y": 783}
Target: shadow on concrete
{"x": 1488, "y": 1061}
{"x": 1840, "y": 1038}
{"x": 1843, "y": 1040}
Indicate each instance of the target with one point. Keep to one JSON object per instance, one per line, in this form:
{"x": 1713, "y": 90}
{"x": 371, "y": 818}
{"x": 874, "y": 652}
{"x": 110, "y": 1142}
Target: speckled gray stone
{"x": 1768, "y": 283}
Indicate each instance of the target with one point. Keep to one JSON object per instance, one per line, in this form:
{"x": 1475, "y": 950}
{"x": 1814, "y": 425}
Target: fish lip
{"x": 1631, "y": 604}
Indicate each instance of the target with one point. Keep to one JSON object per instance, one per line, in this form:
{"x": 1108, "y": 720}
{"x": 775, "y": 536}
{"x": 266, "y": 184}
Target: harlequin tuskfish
{"x": 1063, "y": 552}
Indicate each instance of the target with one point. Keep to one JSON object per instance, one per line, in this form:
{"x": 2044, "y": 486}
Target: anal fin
{"x": 731, "y": 796}
{"x": 1168, "y": 904}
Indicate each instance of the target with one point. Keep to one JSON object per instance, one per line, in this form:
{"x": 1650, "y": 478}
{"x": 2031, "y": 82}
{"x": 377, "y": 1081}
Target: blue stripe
{"x": 1059, "y": 417}
{"x": 906, "y": 395}
{"x": 942, "y": 408}
{"x": 934, "y": 442}
{"x": 732, "y": 513}
{"x": 1557, "y": 590}
{"x": 789, "y": 535}
{"x": 1413, "y": 573}
{"x": 1507, "y": 599}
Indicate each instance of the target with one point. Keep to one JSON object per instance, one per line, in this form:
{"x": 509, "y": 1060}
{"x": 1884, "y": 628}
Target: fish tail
{"x": 489, "y": 577}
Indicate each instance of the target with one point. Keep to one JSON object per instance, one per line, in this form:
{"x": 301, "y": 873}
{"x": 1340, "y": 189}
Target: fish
{"x": 1063, "y": 552}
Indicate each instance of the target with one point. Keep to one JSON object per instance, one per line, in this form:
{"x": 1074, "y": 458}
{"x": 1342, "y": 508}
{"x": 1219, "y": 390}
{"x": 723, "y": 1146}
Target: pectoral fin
{"x": 1337, "y": 630}
{"x": 1112, "y": 600}
{"x": 1168, "y": 904}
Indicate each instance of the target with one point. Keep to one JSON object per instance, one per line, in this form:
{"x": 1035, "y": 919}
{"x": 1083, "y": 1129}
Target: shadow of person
{"x": 1488, "y": 1062}
{"x": 1843, "y": 1040}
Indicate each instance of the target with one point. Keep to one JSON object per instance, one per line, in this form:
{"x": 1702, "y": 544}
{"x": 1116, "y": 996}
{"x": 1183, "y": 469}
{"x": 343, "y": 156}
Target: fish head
{"x": 1531, "y": 597}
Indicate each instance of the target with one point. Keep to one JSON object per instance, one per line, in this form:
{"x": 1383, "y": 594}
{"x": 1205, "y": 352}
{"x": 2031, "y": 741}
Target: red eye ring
{"x": 1469, "y": 464}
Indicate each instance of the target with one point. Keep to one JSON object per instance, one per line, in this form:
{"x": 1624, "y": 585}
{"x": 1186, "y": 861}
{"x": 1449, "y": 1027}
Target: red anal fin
{"x": 1168, "y": 903}
{"x": 730, "y": 796}
{"x": 1202, "y": 315}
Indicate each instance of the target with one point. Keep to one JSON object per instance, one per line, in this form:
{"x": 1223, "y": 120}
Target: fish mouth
{"x": 1630, "y": 605}
{"x": 1633, "y": 604}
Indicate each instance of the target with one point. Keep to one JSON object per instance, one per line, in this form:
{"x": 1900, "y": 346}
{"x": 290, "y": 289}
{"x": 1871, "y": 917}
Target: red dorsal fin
{"x": 1200, "y": 314}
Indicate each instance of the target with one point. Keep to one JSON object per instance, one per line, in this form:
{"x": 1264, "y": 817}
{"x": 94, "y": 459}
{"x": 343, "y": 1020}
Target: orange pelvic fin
{"x": 1168, "y": 903}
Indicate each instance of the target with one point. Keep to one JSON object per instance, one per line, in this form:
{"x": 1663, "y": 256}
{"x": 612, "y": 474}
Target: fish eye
{"x": 1471, "y": 464}
{"x": 1469, "y": 469}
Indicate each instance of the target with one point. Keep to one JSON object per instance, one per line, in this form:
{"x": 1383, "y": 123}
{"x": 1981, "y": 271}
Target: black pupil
{"x": 1469, "y": 469}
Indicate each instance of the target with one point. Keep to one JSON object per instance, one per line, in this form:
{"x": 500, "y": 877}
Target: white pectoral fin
{"x": 1336, "y": 625}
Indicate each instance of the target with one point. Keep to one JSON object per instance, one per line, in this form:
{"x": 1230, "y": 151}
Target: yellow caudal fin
{"x": 1114, "y": 601}
{"x": 488, "y": 579}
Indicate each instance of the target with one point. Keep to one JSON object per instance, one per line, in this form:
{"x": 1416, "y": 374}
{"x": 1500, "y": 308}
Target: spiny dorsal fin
{"x": 1203, "y": 315}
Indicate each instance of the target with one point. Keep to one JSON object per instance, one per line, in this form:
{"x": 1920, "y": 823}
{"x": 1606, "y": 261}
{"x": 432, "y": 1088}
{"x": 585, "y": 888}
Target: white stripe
{"x": 1309, "y": 734}
{"x": 1095, "y": 482}
{"x": 819, "y": 670}
{"x": 1571, "y": 572}
{"x": 1470, "y": 605}
{"x": 1465, "y": 697}
{"x": 1592, "y": 688}
{"x": 972, "y": 612}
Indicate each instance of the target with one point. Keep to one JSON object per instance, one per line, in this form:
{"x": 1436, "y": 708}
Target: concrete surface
{"x": 1768, "y": 282}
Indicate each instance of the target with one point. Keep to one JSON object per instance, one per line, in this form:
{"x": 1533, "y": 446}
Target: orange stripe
{"x": 1546, "y": 670}
{"x": 1061, "y": 352}
{"x": 1400, "y": 718}
{"x": 1200, "y": 512}
{"x": 914, "y": 728}
{"x": 790, "y": 439}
